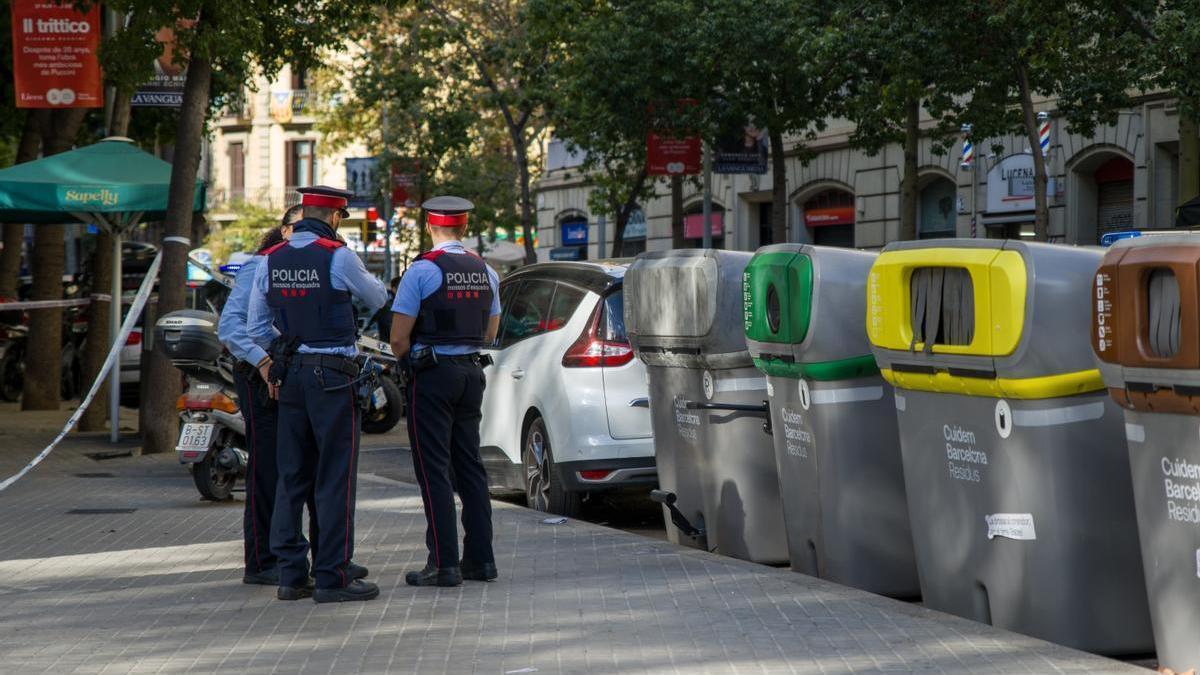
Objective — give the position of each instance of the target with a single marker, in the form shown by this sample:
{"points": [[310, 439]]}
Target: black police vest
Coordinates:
{"points": [[458, 312], [301, 293]]}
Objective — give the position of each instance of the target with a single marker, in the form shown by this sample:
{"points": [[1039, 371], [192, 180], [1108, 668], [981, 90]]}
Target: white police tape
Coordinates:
{"points": [[42, 304], [110, 361]]}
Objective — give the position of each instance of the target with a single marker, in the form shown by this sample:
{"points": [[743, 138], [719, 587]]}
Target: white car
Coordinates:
{"points": [[565, 409]]}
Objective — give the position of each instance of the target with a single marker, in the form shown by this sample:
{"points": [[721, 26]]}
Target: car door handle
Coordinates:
{"points": [[640, 403], [517, 373]]}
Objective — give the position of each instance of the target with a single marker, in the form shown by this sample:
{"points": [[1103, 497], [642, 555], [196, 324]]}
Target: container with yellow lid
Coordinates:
{"points": [[1017, 477]]}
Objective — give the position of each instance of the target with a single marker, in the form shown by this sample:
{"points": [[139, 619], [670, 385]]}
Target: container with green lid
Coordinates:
{"points": [[833, 417]]}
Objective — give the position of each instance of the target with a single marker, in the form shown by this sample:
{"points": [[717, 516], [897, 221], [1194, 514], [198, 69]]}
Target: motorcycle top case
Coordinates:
{"points": [[188, 335]]}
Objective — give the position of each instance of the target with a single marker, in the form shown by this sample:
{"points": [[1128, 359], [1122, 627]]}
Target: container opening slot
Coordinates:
{"points": [[942, 307], [1163, 301]]}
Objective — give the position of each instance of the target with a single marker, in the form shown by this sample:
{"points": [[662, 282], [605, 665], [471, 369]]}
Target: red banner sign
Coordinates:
{"points": [[829, 215], [668, 152], [55, 61], [693, 225], [666, 156], [405, 174]]}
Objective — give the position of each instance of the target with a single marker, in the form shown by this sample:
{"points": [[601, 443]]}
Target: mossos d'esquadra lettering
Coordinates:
{"points": [[961, 453]]}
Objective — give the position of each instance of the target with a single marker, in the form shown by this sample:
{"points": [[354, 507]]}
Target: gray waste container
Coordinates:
{"points": [[1018, 482], [834, 418], [1145, 330], [707, 402]]}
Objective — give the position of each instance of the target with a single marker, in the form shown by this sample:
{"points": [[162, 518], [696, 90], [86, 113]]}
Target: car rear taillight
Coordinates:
{"points": [[595, 474], [591, 351], [135, 338]]}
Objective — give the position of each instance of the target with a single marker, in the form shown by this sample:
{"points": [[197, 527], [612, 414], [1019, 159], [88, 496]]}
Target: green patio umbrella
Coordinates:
{"points": [[112, 183]]}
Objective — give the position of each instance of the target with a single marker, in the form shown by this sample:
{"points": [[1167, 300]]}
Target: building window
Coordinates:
{"points": [[301, 164], [829, 215], [937, 209], [299, 78], [237, 171], [634, 241]]}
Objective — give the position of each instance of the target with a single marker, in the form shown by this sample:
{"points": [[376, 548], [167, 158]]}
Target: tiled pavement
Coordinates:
{"points": [[157, 590]]}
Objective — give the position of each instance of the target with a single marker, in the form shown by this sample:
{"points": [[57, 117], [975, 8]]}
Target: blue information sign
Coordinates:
{"points": [[574, 232]]}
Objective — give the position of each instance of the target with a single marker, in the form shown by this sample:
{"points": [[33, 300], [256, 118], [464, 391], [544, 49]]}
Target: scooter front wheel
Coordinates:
{"points": [[214, 483]]}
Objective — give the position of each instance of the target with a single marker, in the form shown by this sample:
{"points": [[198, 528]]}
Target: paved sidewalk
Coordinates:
{"points": [[157, 589]]}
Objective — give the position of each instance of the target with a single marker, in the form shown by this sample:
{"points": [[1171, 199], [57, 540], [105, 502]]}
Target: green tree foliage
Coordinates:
{"points": [[618, 63], [243, 233], [416, 107]]}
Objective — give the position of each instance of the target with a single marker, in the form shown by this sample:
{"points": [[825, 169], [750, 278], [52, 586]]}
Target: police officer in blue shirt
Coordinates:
{"points": [[447, 308], [262, 417], [303, 288]]}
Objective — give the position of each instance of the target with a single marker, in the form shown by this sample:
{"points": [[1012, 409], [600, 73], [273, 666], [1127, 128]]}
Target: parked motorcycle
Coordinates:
{"points": [[212, 432], [387, 398]]}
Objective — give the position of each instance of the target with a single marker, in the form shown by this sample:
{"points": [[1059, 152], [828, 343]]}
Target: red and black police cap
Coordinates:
{"points": [[327, 197], [447, 211]]}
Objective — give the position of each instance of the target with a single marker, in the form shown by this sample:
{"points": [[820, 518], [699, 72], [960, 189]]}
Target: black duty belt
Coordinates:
{"points": [[340, 364], [246, 370], [474, 359]]}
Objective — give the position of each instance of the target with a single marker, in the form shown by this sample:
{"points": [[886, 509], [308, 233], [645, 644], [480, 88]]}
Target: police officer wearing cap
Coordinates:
{"points": [[447, 308], [301, 302]]}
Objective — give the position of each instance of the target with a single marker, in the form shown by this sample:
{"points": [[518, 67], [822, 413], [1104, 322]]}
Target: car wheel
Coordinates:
{"points": [[543, 489]]}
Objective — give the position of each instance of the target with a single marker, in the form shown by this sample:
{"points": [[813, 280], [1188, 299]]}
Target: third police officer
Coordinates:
{"points": [[301, 301], [446, 310]]}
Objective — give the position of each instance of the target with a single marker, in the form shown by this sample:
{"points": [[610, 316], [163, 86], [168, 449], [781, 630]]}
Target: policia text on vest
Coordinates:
{"points": [[446, 310]]}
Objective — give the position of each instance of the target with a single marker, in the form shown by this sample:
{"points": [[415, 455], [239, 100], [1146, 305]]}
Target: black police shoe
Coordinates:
{"points": [[474, 571], [357, 590], [295, 592], [262, 578], [356, 571], [435, 576]]}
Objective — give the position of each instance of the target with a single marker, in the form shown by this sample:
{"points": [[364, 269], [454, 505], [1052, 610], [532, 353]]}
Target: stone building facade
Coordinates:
{"points": [[1123, 176]]}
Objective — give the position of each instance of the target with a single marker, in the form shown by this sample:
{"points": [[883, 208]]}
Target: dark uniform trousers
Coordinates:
{"points": [[443, 424], [262, 420], [318, 455]]}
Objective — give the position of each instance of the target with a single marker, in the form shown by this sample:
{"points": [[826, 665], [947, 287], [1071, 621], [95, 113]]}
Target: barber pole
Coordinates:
{"points": [[968, 149], [1044, 133]]}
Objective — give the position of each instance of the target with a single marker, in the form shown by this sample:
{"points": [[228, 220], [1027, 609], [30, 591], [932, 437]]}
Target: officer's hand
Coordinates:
{"points": [[264, 369]]}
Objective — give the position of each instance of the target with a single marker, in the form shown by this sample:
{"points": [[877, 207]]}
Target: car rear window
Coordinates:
{"points": [[614, 313], [527, 313], [566, 300]]}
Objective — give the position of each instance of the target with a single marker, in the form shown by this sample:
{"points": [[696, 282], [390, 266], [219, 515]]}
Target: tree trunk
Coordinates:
{"points": [[779, 228], [43, 363], [521, 150], [1189, 158], [96, 348], [1041, 212], [623, 212], [156, 418], [677, 238], [14, 233], [43, 355], [908, 182]]}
